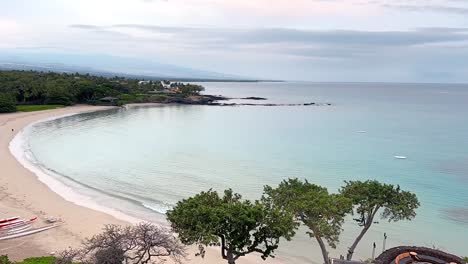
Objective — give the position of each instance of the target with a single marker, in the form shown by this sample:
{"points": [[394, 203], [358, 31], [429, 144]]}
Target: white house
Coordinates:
{"points": [[143, 82], [165, 85]]}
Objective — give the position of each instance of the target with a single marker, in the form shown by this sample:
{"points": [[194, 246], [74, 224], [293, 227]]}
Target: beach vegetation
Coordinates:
{"points": [[371, 197], [139, 244], [33, 108], [5, 260], [7, 103], [321, 212], [42, 88], [239, 227], [189, 89], [37, 260]]}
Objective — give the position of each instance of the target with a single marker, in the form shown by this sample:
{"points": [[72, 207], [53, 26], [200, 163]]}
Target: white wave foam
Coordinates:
{"points": [[19, 148], [158, 208]]}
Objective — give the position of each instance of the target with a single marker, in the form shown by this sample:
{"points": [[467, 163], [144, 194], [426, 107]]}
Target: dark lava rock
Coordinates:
{"points": [[254, 98]]}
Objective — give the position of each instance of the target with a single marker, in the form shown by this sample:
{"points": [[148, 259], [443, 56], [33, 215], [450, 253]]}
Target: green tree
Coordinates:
{"points": [[85, 90], [57, 92], [240, 226], [190, 89], [7, 103], [313, 206], [370, 196]]}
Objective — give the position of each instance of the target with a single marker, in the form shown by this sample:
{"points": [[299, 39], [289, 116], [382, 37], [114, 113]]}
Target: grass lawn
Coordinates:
{"points": [[41, 260], [32, 108]]}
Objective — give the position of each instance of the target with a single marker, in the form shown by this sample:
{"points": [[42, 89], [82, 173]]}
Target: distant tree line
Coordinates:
{"points": [[38, 88]]}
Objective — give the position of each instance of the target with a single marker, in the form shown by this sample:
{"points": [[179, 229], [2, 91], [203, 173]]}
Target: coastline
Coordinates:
{"points": [[23, 194], [26, 193]]}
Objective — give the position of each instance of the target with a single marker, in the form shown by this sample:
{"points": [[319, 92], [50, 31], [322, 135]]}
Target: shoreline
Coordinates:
{"points": [[18, 149], [23, 194], [26, 190]]}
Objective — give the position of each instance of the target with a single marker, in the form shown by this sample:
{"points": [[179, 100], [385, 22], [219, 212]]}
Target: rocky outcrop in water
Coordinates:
{"points": [[253, 98], [218, 100], [247, 104]]}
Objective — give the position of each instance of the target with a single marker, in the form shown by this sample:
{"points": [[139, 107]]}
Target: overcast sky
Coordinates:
{"points": [[317, 40]]}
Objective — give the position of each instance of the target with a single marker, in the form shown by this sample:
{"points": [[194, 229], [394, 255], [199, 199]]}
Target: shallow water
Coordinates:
{"points": [[142, 160]]}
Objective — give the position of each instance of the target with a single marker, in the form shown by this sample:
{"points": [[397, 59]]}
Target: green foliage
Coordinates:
{"points": [[157, 98], [242, 226], [321, 212], [4, 260], [370, 196], [40, 260], [465, 259], [29, 87], [189, 89], [7, 103], [32, 108], [141, 98]]}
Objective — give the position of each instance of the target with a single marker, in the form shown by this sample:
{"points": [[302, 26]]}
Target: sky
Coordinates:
{"points": [[310, 40]]}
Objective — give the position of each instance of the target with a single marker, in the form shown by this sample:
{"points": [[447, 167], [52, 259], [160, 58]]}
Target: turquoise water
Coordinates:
{"points": [[142, 160]]}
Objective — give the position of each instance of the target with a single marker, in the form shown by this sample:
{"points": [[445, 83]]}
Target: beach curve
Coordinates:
{"points": [[25, 190]]}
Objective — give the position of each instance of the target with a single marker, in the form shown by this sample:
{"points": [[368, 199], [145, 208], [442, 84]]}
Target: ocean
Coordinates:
{"points": [[141, 160]]}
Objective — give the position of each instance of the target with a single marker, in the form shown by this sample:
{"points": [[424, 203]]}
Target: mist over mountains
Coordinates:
{"points": [[105, 65]]}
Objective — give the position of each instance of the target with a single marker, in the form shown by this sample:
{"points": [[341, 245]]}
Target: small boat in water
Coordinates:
{"points": [[400, 157]]}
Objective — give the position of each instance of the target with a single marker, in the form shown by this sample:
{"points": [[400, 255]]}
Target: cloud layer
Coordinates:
{"points": [[341, 40]]}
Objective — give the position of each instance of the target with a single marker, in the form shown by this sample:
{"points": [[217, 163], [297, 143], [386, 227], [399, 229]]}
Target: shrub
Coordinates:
{"points": [[4, 260], [132, 244]]}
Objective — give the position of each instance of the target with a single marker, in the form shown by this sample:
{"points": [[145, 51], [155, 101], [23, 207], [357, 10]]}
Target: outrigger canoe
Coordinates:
{"points": [[9, 219], [30, 232], [16, 223], [15, 230]]}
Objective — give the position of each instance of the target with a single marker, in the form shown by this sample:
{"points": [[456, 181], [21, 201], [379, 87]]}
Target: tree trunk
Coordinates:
{"points": [[223, 247], [368, 223], [349, 256], [230, 257], [324, 249]]}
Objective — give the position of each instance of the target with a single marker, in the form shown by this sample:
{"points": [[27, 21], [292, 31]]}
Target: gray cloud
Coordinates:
{"points": [[81, 26], [430, 8], [429, 54], [343, 38]]}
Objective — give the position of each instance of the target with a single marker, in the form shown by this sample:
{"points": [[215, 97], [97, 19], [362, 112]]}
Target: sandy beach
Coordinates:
{"points": [[22, 194]]}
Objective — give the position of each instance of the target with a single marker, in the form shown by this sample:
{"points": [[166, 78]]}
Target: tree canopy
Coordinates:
{"points": [[7, 103], [321, 212], [370, 196], [37, 88], [189, 89], [239, 226]]}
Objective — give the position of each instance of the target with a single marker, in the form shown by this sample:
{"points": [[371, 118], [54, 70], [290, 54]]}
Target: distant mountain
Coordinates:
{"points": [[108, 66]]}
